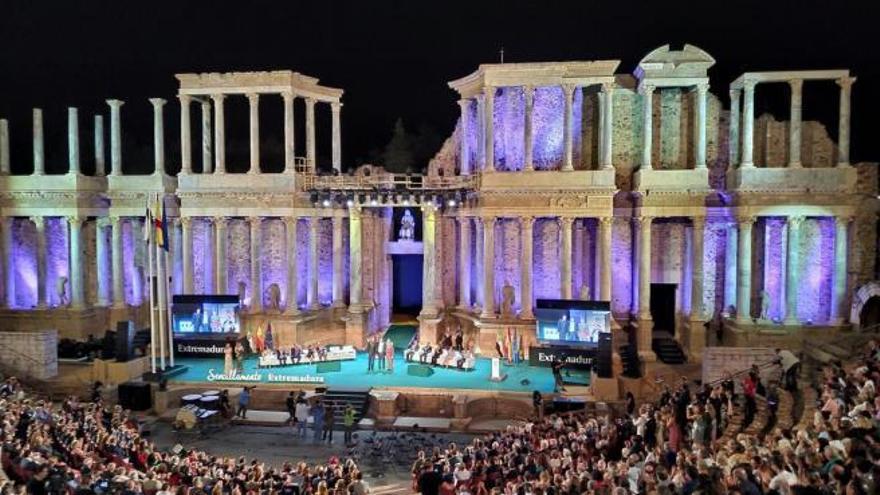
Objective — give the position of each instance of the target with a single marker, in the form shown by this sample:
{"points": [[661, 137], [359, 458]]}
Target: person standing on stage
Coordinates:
{"points": [[348, 421], [244, 398], [317, 421], [290, 405], [556, 366], [389, 355], [301, 414], [380, 353], [329, 422], [371, 354]]}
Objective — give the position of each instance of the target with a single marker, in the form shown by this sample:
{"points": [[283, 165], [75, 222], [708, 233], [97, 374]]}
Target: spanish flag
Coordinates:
{"points": [[161, 222]]}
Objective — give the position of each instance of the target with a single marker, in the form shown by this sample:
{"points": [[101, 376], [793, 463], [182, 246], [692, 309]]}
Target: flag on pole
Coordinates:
{"points": [[148, 222], [161, 224], [270, 344]]}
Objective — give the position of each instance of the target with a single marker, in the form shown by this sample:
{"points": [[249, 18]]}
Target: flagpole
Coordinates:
{"points": [[170, 333], [160, 276], [149, 236]]}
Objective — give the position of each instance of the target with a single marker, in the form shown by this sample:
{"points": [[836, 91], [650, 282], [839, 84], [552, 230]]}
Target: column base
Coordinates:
{"points": [[838, 321], [488, 315], [795, 165], [743, 320], [338, 304], [747, 165], [314, 306], [466, 308], [526, 315], [647, 357], [791, 322]]}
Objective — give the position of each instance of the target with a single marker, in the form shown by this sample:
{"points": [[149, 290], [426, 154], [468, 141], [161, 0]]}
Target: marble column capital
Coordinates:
{"points": [[527, 221], [568, 90], [115, 104], [464, 103], [566, 221], [288, 95], [749, 86], [185, 222], [487, 220], [698, 221], [529, 90], [606, 221], [845, 83], [843, 220], [702, 87], [38, 221], [643, 220], [219, 221], [336, 106], [734, 94], [184, 99], [608, 87], [310, 102], [646, 89], [255, 220], [218, 98], [158, 102], [253, 98], [745, 220], [75, 220], [795, 221], [288, 221], [796, 86]]}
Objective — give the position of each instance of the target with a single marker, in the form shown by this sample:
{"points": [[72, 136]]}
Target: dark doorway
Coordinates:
{"points": [[407, 283], [870, 315], [663, 307]]}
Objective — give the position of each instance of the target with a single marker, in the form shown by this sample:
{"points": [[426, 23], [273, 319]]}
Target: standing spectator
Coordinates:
{"points": [[317, 421], [244, 399], [538, 404], [329, 422], [96, 391], [790, 367], [750, 388], [290, 405], [630, 403], [301, 413], [348, 418]]}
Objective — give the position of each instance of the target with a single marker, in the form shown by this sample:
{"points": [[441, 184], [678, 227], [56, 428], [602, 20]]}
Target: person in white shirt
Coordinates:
{"points": [[301, 414], [790, 366]]}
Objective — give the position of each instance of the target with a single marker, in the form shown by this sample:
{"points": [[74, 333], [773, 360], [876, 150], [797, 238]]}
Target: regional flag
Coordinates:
{"points": [[148, 222], [161, 223]]}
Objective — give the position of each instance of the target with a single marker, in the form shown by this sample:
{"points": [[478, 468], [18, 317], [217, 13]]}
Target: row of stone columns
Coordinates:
{"points": [[219, 129], [746, 146], [486, 139], [647, 91], [485, 230]]}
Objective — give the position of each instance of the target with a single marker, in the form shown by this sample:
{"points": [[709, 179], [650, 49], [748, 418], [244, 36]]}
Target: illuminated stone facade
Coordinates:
{"points": [[560, 180]]}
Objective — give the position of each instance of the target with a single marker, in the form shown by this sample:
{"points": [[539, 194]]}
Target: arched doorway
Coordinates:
{"points": [[869, 316], [865, 312]]}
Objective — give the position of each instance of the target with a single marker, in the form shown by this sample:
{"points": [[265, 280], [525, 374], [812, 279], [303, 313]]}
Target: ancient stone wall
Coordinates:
{"points": [[30, 354]]}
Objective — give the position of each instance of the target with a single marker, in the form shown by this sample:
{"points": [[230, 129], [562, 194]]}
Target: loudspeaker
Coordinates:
{"points": [[124, 340], [329, 366], [135, 396], [604, 367], [419, 370]]}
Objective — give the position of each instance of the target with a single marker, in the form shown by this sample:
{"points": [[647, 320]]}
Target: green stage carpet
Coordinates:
{"points": [[401, 335]]}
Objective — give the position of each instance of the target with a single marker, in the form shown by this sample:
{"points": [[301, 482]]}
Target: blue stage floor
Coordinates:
{"points": [[354, 374]]}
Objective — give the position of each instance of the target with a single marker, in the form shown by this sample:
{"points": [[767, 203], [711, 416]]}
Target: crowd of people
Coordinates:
{"points": [[683, 444], [87, 448]]}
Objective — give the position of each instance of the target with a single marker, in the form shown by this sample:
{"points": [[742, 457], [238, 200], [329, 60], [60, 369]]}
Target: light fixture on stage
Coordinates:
{"points": [[349, 202], [374, 200], [325, 203]]}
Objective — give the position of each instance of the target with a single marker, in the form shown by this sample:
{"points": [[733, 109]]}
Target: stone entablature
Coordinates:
{"points": [[275, 82]]}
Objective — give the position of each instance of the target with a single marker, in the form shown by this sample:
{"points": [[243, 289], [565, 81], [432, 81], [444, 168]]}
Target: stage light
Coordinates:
{"points": [[349, 203], [451, 202], [373, 200], [325, 203], [406, 202]]}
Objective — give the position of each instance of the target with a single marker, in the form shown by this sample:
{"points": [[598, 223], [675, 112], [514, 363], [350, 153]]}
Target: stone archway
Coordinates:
{"points": [[866, 297]]}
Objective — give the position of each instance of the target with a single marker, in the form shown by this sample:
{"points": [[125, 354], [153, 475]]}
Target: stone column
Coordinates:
{"points": [[565, 224], [254, 135], [186, 254], [158, 136], [794, 125], [489, 126], [39, 157], [748, 132], [116, 267], [568, 94], [6, 262], [219, 134], [700, 154], [699, 232], [527, 240], [115, 137], [529, 135], [101, 262], [291, 304], [604, 262], [256, 265], [207, 151], [338, 298], [488, 267], [843, 124], [429, 268], [648, 124], [607, 159], [72, 140], [730, 265], [744, 270], [793, 269], [733, 147], [464, 162], [355, 260], [185, 136], [4, 147], [478, 262], [603, 126], [336, 136], [310, 134], [289, 144], [100, 162], [841, 258], [40, 226], [77, 294], [464, 263], [220, 285], [644, 314], [312, 292]]}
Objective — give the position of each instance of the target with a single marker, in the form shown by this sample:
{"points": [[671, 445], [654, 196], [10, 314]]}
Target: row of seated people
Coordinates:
{"points": [[448, 357], [305, 355]]}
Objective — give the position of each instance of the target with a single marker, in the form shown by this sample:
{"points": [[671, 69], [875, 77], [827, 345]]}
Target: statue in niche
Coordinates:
{"points": [[61, 290], [584, 293], [765, 305], [407, 227], [273, 295], [242, 292], [508, 297]]}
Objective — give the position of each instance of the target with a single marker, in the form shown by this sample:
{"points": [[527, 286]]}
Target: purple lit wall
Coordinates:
{"points": [[622, 301], [302, 260], [546, 280], [238, 258], [817, 269], [507, 258], [134, 262], [713, 267], [346, 265], [325, 261], [509, 121], [273, 258], [203, 256], [24, 259], [774, 265], [547, 122], [56, 257], [476, 279]]}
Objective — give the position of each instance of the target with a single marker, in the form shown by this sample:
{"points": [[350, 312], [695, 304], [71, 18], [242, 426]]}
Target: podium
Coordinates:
{"points": [[497, 375]]}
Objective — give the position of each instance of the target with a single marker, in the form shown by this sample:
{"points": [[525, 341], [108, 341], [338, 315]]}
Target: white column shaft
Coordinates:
{"points": [[39, 157], [355, 260], [77, 296], [489, 126], [101, 263], [841, 257], [604, 262], [645, 268], [256, 265], [429, 269], [336, 136], [699, 232], [311, 159], [158, 136], [4, 147], [794, 126], [289, 144], [207, 148], [312, 293], [116, 262], [478, 262], [338, 298], [648, 125], [292, 303], [748, 132], [567, 134], [73, 140], [220, 285], [607, 133], [6, 242], [565, 224], [527, 240], [730, 267], [185, 135], [464, 263], [843, 123], [700, 154], [100, 161], [744, 270], [115, 137], [733, 140], [219, 134], [187, 254], [254, 122], [40, 225], [488, 267], [792, 270]]}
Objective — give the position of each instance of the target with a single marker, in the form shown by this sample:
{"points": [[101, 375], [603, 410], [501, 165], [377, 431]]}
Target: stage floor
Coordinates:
{"points": [[354, 373]]}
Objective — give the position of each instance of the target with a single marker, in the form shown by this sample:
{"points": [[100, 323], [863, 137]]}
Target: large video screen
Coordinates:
{"points": [[571, 322], [205, 316]]}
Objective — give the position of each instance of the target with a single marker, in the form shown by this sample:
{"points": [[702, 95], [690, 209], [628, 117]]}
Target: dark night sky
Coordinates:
{"points": [[393, 58]]}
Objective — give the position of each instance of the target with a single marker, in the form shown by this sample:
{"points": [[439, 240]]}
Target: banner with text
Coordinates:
{"points": [[573, 357]]}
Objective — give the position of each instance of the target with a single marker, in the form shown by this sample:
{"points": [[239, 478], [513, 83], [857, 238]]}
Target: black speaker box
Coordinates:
{"points": [[604, 365], [124, 340], [135, 396]]}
